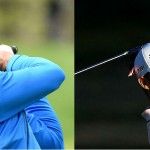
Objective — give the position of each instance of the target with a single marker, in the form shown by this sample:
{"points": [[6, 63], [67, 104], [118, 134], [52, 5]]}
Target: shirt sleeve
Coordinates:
{"points": [[21, 88]]}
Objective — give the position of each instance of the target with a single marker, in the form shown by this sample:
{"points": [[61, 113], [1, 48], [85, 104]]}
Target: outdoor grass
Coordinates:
{"points": [[62, 100]]}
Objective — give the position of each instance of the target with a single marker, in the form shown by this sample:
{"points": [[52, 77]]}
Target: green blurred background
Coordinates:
{"points": [[45, 28]]}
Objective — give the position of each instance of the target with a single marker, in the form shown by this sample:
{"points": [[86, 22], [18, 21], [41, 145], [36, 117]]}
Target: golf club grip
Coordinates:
{"points": [[134, 50]]}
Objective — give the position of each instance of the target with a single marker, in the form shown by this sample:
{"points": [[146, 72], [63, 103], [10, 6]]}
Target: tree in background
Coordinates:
{"points": [[34, 20]]}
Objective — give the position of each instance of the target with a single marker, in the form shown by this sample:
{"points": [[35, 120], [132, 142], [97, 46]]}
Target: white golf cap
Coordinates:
{"points": [[142, 62], [6, 48]]}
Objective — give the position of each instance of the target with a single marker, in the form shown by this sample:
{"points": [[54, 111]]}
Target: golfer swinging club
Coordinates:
{"points": [[142, 70], [27, 120]]}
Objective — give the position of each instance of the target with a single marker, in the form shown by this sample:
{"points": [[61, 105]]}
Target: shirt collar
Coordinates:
{"points": [[11, 62]]}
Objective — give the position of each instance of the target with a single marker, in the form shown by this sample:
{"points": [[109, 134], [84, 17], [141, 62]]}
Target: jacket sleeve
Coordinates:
{"points": [[21, 88], [41, 116]]}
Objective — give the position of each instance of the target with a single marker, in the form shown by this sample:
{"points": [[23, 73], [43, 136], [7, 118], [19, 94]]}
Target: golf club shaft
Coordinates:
{"points": [[136, 49], [100, 63]]}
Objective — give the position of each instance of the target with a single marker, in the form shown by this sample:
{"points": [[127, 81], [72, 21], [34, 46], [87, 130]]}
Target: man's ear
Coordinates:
{"points": [[144, 83]]}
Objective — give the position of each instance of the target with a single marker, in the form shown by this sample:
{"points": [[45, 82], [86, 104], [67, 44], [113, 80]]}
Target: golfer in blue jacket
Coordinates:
{"points": [[27, 120]]}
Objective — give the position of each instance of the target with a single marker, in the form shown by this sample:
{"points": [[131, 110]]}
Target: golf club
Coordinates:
{"points": [[136, 49]]}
